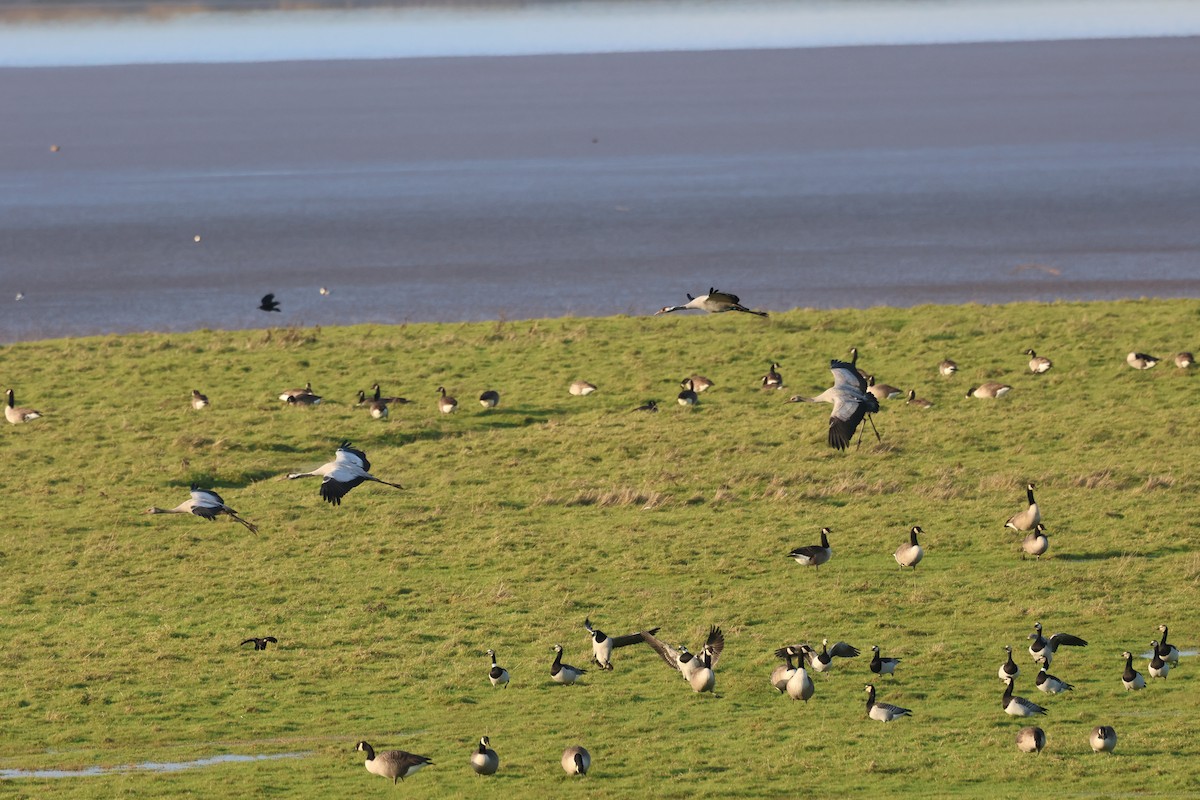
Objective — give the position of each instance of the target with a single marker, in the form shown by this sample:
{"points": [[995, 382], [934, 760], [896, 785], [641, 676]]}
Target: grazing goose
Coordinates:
{"points": [[1103, 739], [814, 555], [489, 399], [576, 760], [800, 685], [260, 643], [884, 712], [850, 400], [823, 661], [1009, 668], [1169, 652], [564, 673], [290, 393], [348, 469], [1031, 739], [947, 368], [445, 404], [603, 644], [909, 555], [782, 673], [700, 383], [1131, 679], [394, 764], [1018, 706], [1028, 519], [650, 405], [687, 663], [1158, 668], [714, 302], [1038, 364], [396, 401], [1184, 360], [206, 504], [15, 414], [1043, 649], [1050, 684], [498, 675], [581, 388], [772, 380], [883, 666], [484, 760], [882, 391], [1140, 361], [304, 400], [688, 396], [268, 303], [199, 401], [917, 402], [1036, 543], [989, 390]]}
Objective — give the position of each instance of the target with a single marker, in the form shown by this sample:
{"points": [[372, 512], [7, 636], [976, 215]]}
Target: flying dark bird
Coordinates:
{"points": [[206, 504], [714, 302], [269, 303], [348, 469], [260, 643], [851, 402]]}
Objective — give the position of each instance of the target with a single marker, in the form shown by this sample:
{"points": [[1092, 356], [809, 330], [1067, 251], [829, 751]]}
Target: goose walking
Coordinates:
{"points": [[909, 555], [581, 388], [498, 675], [884, 712], [1031, 739], [206, 504], [484, 760], [603, 644], [268, 303], [1184, 360], [689, 664], [989, 390], [199, 401], [947, 368], [348, 469], [916, 402], [16, 414], [1131, 679], [1158, 668], [1018, 706], [772, 380], [394, 764], [782, 673], [1169, 652], [260, 642], [564, 673], [688, 396], [1037, 543], [714, 302], [1043, 648], [1038, 364], [1103, 739], [882, 391], [446, 404], [1141, 360], [883, 666], [1009, 668], [1028, 519], [576, 760], [814, 555], [1050, 684], [489, 399], [850, 400]]}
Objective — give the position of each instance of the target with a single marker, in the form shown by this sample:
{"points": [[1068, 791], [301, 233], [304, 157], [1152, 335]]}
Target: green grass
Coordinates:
{"points": [[120, 630]]}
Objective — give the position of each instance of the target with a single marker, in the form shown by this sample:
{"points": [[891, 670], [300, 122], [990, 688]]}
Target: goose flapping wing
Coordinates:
{"points": [[1058, 639], [669, 654]]}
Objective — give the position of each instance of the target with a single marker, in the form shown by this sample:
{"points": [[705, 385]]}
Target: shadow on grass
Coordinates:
{"points": [[1108, 554], [208, 480]]}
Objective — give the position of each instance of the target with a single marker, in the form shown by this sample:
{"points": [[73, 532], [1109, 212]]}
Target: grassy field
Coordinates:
{"points": [[121, 630]]}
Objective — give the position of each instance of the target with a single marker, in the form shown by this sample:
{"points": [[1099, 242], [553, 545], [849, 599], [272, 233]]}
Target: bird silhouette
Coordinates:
{"points": [[260, 643], [269, 303]]}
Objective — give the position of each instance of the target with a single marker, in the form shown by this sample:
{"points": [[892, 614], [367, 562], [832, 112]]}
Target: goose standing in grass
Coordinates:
{"points": [[814, 555], [649, 405], [1018, 706], [1131, 679], [1158, 668], [206, 504], [484, 760], [199, 401], [1050, 684], [1140, 360], [603, 644], [917, 402], [800, 685], [1036, 543], [782, 673], [700, 383], [581, 388], [348, 469], [377, 408], [688, 396], [882, 391], [910, 554], [290, 393], [1031, 739], [1009, 668], [1028, 519], [260, 642], [883, 666], [947, 368], [576, 760], [772, 380], [688, 663], [714, 302], [16, 414], [884, 712], [498, 675], [1038, 364], [1103, 739], [1043, 649], [564, 673], [1169, 652], [268, 303], [489, 399], [394, 764], [991, 389], [446, 404], [850, 400], [1184, 360]]}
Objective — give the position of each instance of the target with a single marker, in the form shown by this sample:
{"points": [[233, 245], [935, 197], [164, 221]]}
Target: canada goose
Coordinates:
{"points": [[687, 663], [576, 760], [268, 303], [854, 363], [883, 666], [489, 399], [1031, 739], [1140, 360], [703, 679], [782, 673], [1169, 652], [714, 302], [800, 685], [581, 388], [564, 673], [260, 643], [1103, 739], [882, 391], [15, 414], [688, 396], [1038, 364], [1184, 360], [823, 661], [394, 764], [304, 400], [850, 400], [1158, 668], [1131, 679], [989, 389], [199, 401], [206, 504], [700, 383], [396, 401], [1036, 543], [884, 712], [377, 407], [1043, 649], [1018, 706], [814, 555], [1050, 684], [445, 404], [917, 402], [498, 675], [947, 368], [1009, 668], [348, 469], [909, 555], [1028, 519], [650, 405], [484, 760], [772, 380], [296, 392], [603, 644]]}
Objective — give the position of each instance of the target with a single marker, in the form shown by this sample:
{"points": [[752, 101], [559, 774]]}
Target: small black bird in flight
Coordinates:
{"points": [[269, 303], [261, 644]]}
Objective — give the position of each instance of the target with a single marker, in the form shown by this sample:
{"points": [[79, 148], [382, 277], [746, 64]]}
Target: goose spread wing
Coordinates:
{"points": [[715, 643], [669, 654], [844, 650], [633, 638], [1059, 639]]}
